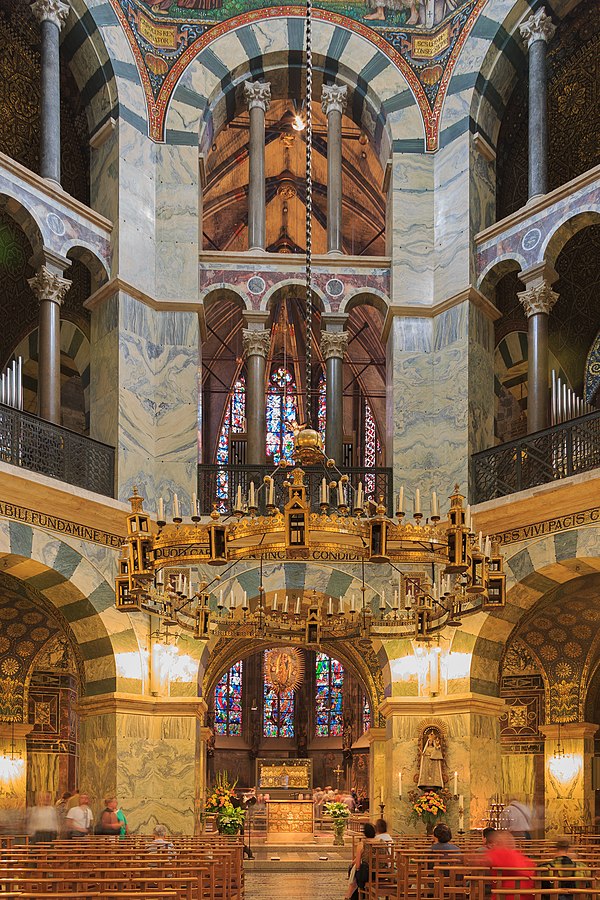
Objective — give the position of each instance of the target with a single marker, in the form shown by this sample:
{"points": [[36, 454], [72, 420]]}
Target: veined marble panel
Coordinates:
{"points": [[410, 225], [451, 217]]}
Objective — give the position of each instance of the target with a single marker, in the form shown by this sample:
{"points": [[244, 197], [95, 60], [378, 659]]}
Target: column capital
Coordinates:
{"points": [[258, 94], [333, 98], [256, 343], [51, 10], [334, 344], [537, 27], [47, 285], [538, 300]]}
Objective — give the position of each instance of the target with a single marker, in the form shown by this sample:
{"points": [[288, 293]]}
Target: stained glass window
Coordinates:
{"points": [[234, 422], [228, 701], [322, 410], [282, 410], [372, 448], [329, 683], [278, 711], [366, 714]]}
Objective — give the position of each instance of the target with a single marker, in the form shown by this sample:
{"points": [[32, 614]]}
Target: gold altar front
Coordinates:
{"points": [[294, 817]]}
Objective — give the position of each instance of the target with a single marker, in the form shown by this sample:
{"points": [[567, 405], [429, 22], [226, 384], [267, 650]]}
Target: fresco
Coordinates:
{"points": [[421, 37]]}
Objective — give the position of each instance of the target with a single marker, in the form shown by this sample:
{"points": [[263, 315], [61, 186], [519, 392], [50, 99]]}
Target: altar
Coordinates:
{"points": [[290, 817]]}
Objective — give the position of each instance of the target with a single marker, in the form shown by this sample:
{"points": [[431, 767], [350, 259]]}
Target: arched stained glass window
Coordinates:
{"points": [[329, 683], [278, 710], [282, 410], [234, 422], [372, 448], [322, 409], [366, 714], [228, 701]]}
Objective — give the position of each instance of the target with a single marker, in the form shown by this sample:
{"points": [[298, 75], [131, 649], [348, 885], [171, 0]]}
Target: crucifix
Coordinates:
{"points": [[338, 772]]}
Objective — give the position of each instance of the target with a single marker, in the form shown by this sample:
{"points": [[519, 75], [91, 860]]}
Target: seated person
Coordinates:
{"points": [[381, 832], [160, 844], [443, 837]]}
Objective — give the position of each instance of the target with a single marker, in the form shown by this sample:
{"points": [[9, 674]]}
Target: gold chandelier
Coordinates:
{"points": [[439, 571]]}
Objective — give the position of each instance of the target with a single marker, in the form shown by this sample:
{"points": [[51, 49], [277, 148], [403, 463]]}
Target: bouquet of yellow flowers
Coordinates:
{"points": [[428, 808], [221, 795]]}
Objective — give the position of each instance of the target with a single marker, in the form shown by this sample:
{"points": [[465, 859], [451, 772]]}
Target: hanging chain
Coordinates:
{"points": [[309, 186]]}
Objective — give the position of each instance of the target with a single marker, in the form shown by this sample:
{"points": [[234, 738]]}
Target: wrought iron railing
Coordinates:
{"points": [[557, 452], [219, 484], [48, 449]]}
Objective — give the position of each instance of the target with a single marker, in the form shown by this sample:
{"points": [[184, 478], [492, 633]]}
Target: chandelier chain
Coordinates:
{"points": [[309, 186]]}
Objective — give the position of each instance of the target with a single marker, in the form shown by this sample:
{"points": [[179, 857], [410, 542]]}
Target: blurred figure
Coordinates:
{"points": [[122, 822], [504, 855], [565, 867], [61, 808], [443, 836], [160, 843], [381, 832], [358, 875], [79, 820], [109, 823], [43, 822], [517, 818], [73, 800]]}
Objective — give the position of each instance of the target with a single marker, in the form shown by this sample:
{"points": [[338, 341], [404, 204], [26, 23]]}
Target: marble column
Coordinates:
{"points": [[52, 14], [256, 348], [149, 752], [378, 784], [258, 95], [50, 289], [537, 31], [537, 301], [333, 346], [568, 752], [332, 103]]}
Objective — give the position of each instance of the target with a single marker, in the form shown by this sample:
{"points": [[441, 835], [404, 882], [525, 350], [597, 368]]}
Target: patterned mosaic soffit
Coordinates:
{"points": [[166, 35]]}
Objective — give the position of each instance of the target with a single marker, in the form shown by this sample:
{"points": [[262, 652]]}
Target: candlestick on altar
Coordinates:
{"points": [[455, 791]]}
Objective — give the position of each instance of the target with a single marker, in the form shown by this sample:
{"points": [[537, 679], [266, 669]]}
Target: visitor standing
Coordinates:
{"points": [[109, 823], [517, 818], [43, 821], [78, 823]]}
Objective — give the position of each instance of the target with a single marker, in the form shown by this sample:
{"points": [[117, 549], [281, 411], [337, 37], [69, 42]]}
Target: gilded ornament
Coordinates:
{"points": [[284, 669]]}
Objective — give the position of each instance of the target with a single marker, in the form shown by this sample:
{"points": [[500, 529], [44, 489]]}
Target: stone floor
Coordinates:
{"points": [[295, 886]]}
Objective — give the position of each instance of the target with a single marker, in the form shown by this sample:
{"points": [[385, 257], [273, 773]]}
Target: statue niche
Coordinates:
{"points": [[431, 763]]}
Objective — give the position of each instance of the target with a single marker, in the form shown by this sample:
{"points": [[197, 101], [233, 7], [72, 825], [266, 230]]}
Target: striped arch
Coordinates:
{"points": [[484, 78], [80, 592], [209, 92], [74, 345], [532, 572]]}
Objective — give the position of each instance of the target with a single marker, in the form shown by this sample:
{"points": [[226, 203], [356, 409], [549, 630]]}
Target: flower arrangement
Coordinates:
{"points": [[230, 819], [428, 808], [222, 794], [337, 810]]}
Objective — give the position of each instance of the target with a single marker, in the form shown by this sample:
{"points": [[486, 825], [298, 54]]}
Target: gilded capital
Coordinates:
{"points": [[334, 344], [333, 98], [258, 93], [256, 343], [537, 27], [538, 299], [47, 285], [51, 10]]}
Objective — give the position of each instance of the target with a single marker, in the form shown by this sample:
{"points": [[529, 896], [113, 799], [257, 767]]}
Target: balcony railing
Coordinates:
{"points": [[219, 484], [48, 449], [566, 449]]}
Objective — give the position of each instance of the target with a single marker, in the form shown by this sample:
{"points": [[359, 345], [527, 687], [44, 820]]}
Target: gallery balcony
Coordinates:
{"points": [[219, 484], [39, 446], [568, 449]]}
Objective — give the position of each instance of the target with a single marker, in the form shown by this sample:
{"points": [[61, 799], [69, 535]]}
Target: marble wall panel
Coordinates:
{"points": [[177, 222], [98, 774], [409, 229], [451, 216]]}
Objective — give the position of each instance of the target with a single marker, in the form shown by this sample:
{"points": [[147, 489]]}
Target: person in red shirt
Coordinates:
{"points": [[510, 868]]}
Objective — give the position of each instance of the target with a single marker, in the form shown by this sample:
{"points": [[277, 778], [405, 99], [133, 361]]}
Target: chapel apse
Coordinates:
{"points": [[422, 38]]}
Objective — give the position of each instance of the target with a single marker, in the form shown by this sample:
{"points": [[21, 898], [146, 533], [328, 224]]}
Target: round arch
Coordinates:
{"points": [[280, 62], [359, 297], [25, 218], [532, 572], [78, 589], [566, 229], [271, 296]]}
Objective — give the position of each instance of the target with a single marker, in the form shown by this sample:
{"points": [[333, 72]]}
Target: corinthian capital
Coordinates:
{"points": [[538, 299], [47, 285], [51, 10], [258, 93], [537, 27], [256, 343], [334, 344], [333, 98]]}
